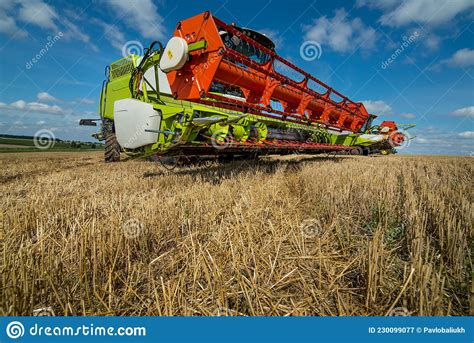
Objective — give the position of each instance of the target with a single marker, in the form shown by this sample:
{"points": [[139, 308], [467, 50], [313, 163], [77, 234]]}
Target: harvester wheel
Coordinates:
{"points": [[112, 148], [357, 150]]}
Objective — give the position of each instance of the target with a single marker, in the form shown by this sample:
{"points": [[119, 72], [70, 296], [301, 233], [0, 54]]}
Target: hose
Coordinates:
{"points": [[138, 72]]}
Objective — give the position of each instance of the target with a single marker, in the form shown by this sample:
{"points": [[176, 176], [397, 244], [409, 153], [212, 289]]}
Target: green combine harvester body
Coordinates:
{"points": [[142, 113]]}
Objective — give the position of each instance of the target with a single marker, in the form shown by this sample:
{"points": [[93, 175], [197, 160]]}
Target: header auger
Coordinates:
{"points": [[215, 90]]}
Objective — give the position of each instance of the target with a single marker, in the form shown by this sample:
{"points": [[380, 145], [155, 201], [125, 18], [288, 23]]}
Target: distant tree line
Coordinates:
{"points": [[73, 144]]}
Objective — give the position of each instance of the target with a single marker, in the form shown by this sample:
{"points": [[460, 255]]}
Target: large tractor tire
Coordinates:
{"points": [[112, 148], [357, 151]]}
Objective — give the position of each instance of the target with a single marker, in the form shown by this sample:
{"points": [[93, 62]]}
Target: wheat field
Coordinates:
{"points": [[294, 235]]}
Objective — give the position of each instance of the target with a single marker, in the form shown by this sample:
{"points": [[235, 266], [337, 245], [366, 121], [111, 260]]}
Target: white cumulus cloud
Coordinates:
{"points": [[397, 13], [18, 105], [112, 33], [41, 15], [46, 97], [44, 108], [86, 101], [8, 26], [39, 107], [466, 134], [38, 13], [464, 112], [140, 15], [377, 106], [461, 58], [340, 33]]}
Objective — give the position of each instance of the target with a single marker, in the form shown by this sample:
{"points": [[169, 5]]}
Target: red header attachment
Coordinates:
{"points": [[243, 60]]}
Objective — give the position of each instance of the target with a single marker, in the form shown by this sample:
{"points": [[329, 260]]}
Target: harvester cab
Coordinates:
{"points": [[214, 90]]}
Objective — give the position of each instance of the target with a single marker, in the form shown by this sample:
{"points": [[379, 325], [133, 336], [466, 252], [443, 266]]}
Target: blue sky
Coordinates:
{"points": [[411, 61]]}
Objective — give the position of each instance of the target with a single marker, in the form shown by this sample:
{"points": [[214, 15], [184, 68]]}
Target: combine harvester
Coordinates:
{"points": [[215, 90]]}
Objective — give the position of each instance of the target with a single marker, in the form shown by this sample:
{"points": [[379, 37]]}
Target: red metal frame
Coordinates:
{"points": [[251, 145], [260, 83]]}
